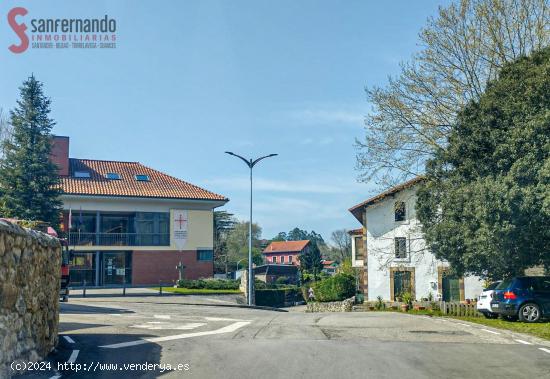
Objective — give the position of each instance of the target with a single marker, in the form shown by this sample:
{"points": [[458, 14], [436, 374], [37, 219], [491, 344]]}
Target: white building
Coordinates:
{"points": [[396, 259]]}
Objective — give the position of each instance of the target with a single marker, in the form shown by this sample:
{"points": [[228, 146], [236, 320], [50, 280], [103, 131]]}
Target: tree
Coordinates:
{"points": [[237, 244], [224, 223], [342, 244], [485, 204], [463, 48], [310, 261], [5, 131], [29, 182], [298, 234]]}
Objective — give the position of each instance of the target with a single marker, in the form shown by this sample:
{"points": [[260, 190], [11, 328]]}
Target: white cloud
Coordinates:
{"points": [[303, 185], [328, 116]]}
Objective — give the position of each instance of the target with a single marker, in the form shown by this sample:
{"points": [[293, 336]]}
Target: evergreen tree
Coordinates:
{"points": [[29, 182], [485, 205], [310, 261]]}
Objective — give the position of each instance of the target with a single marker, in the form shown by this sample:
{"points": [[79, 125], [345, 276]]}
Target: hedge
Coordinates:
{"points": [[336, 288], [277, 297], [211, 284]]}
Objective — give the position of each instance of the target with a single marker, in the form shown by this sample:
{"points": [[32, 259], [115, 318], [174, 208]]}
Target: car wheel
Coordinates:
{"points": [[490, 315], [529, 312]]}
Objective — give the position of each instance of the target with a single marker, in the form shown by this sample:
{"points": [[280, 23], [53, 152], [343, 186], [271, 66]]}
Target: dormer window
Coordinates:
{"points": [[400, 211], [81, 174], [142, 178], [112, 176]]}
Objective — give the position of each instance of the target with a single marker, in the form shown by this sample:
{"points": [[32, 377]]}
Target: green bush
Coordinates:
{"points": [[210, 284], [277, 297], [336, 288]]}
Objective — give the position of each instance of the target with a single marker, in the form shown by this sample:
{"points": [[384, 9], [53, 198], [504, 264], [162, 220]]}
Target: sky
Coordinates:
{"points": [[189, 80]]}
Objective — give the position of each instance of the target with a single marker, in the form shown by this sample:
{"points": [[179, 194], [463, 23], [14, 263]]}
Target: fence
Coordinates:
{"points": [[459, 309]]}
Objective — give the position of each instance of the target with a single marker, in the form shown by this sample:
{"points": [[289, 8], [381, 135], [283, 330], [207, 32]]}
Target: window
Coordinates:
{"points": [[400, 247], [290, 259], [142, 178], [274, 259], [359, 248], [205, 255], [400, 213], [283, 259], [81, 174], [112, 176]]}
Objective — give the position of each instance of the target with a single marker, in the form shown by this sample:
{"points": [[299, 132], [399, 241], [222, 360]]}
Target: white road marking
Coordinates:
{"points": [[68, 339], [523, 342], [490, 331], [222, 319], [167, 326], [226, 329], [164, 317], [217, 300], [460, 323], [545, 350], [74, 355], [55, 377]]}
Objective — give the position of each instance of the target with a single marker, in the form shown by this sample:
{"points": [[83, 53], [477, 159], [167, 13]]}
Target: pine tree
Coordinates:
{"points": [[29, 182]]}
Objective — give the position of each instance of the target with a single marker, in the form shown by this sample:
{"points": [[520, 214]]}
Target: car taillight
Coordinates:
{"points": [[64, 270], [509, 295]]}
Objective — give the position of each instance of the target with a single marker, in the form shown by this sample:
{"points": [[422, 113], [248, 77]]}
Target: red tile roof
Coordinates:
{"points": [[286, 246], [160, 185], [357, 209]]}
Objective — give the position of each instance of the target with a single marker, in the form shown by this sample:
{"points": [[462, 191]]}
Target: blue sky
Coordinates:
{"points": [[192, 79]]}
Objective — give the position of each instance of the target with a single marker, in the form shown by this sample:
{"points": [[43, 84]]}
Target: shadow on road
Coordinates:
{"points": [[142, 361], [67, 308]]}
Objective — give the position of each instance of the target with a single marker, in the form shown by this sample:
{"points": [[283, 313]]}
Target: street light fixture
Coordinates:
{"points": [[250, 163]]}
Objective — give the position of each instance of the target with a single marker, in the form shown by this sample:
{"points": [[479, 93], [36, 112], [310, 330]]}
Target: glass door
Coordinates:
{"points": [[116, 268]]}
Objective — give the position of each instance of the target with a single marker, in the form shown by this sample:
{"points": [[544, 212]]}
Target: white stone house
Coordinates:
{"points": [[393, 253]]}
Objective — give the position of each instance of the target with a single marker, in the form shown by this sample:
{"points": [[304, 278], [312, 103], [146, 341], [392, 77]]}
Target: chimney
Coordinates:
{"points": [[60, 154]]}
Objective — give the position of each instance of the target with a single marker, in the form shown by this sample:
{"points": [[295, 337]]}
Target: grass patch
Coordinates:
{"points": [[197, 291], [539, 329]]}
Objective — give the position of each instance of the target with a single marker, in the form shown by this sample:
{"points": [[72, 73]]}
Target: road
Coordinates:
{"points": [[212, 340]]}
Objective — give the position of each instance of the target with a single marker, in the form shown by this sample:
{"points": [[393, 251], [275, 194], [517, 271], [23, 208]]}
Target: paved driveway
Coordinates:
{"points": [[103, 337]]}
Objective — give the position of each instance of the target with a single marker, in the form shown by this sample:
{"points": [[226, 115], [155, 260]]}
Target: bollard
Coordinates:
{"points": [[160, 288], [84, 289], [124, 289]]}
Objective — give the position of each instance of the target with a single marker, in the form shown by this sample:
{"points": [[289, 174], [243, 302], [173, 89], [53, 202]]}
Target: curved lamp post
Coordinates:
{"points": [[250, 163]]}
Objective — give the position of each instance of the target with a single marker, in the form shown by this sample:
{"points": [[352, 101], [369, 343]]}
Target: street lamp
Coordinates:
{"points": [[250, 163]]}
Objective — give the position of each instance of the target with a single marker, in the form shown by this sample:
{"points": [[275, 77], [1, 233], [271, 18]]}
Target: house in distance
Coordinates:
{"points": [[285, 252]]}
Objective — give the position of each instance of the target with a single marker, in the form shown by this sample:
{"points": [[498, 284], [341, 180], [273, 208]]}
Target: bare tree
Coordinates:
{"points": [[5, 131], [342, 243], [463, 48]]}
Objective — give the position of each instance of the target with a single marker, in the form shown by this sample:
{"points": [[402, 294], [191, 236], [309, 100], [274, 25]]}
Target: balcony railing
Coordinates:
{"points": [[119, 239]]}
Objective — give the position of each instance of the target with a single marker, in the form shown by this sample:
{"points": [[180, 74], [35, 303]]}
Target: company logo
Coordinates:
{"points": [[19, 29], [55, 33]]}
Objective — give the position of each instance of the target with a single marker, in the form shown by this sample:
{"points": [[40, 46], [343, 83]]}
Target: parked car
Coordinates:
{"points": [[483, 304], [523, 297]]}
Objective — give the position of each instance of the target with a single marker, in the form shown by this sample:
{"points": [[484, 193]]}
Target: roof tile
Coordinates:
{"points": [[160, 185]]}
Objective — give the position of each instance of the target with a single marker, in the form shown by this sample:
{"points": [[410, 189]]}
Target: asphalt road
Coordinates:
{"points": [[103, 337]]}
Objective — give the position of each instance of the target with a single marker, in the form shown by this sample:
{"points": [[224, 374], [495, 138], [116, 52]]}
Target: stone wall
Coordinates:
{"points": [[331, 306], [30, 264]]}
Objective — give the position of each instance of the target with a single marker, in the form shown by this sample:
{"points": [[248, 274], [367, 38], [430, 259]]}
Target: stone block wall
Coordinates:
{"points": [[30, 264], [331, 306]]}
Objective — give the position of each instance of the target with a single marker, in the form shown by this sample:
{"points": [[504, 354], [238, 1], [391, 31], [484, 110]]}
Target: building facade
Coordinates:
{"points": [[128, 224], [393, 253], [285, 252]]}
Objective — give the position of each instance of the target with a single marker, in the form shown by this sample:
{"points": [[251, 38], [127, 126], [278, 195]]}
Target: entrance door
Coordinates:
{"points": [[401, 283], [115, 268], [451, 288]]}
